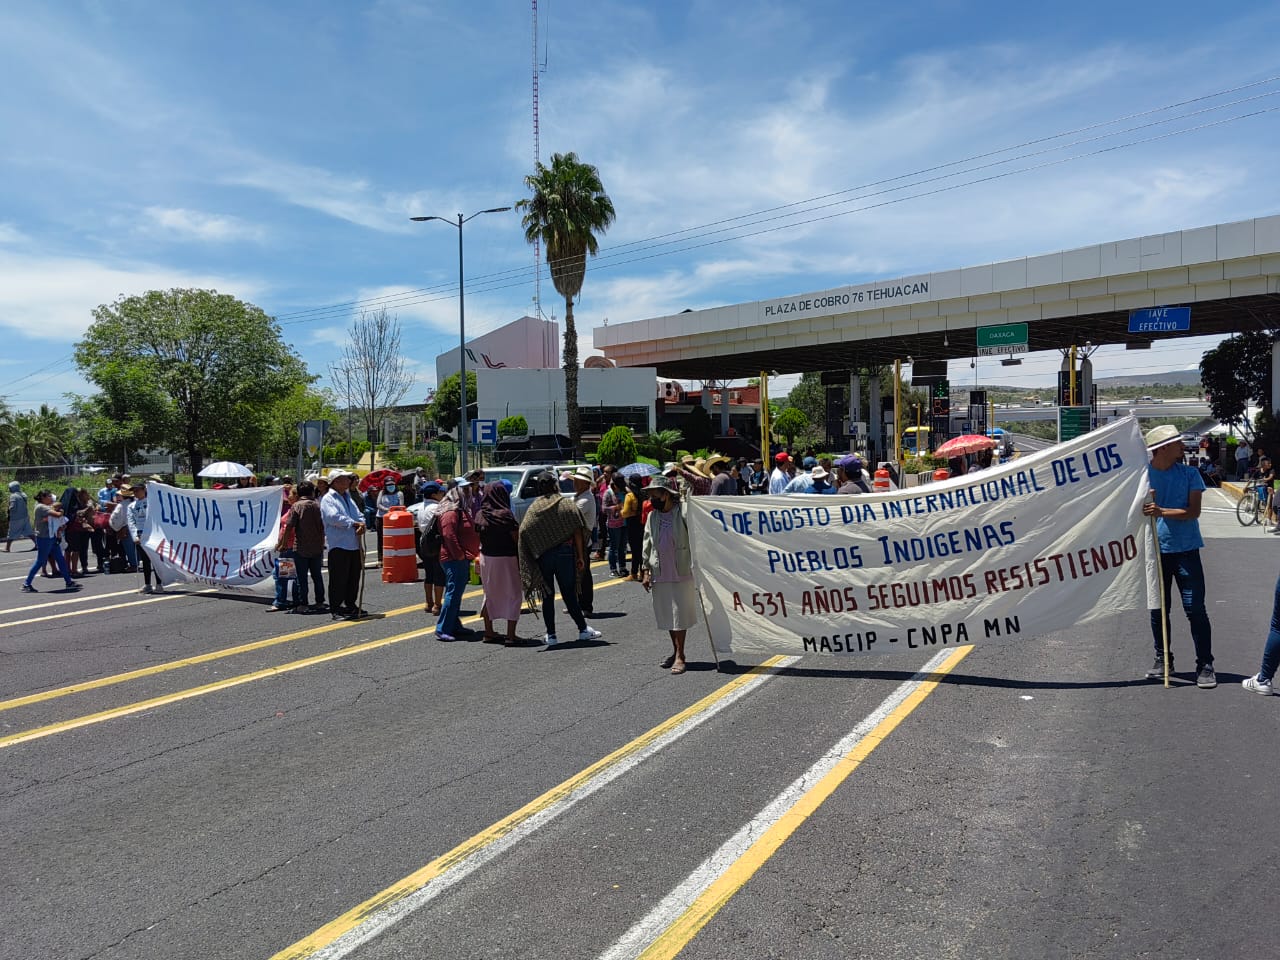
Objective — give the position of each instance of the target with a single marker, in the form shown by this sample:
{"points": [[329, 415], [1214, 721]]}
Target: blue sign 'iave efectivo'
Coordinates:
{"points": [[1159, 319]]}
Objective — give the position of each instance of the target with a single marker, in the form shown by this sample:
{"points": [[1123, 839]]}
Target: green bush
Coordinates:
{"points": [[414, 461], [618, 447], [516, 426]]}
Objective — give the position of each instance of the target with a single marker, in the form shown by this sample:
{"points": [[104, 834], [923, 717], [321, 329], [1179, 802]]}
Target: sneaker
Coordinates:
{"points": [[591, 633], [145, 589], [274, 609], [28, 588], [550, 640], [1205, 678], [1157, 669], [73, 587], [1257, 685], [158, 588]]}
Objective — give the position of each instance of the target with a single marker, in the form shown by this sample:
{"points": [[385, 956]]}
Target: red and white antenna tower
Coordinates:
{"points": [[537, 158]]}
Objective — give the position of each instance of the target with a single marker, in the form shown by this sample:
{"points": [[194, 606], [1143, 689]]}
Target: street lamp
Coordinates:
{"points": [[462, 330]]}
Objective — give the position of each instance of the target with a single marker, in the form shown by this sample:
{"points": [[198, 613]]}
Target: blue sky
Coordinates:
{"points": [[275, 151]]}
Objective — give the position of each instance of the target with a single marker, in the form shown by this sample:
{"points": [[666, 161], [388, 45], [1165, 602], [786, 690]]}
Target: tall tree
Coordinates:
{"points": [[373, 368], [1237, 372], [38, 438], [567, 210], [445, 406], [128, 414], [790, 423], [219, 362]]}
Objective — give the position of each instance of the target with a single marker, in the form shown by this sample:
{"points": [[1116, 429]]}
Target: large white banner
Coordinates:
{"points": [[222, 538], [1048, 542]]}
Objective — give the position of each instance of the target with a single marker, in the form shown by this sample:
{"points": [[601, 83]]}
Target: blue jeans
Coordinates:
{"points": [[47, 547], [455, 583], [1186, 569], [315, 567], [559, 566], [1271, 652], [130, 550], [617, 547], [282, 585]]}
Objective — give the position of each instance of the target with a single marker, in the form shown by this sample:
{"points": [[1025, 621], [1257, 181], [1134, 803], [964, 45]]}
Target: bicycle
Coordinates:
{"points": [[1253, 504]]}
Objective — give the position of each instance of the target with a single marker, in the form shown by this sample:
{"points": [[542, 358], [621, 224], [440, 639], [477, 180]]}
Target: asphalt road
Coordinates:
{"points": [[1041, 800]]}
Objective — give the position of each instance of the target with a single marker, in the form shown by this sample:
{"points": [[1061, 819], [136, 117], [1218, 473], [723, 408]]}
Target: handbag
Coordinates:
{"points": [[286, 568]]}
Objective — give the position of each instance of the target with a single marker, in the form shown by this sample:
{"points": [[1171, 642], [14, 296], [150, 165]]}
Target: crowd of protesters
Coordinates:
{"points": [[635, 522]]}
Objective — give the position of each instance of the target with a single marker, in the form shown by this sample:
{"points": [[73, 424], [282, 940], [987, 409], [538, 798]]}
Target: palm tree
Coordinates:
{"points": [[665, 440], [567, 210]]}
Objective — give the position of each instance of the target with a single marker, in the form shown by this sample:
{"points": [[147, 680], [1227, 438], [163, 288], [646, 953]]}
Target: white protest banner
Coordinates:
{"points": [[222, 538], [1047, 542]]}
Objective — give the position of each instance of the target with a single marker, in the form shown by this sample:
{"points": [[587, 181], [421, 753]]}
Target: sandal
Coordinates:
{"points": [[678, 667], [511, 641], [493, 638], [666, 664]]}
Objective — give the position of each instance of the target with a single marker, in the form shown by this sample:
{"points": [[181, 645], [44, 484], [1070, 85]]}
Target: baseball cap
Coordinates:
{"points": [[430, 487], [810, 462], [781, 458]]}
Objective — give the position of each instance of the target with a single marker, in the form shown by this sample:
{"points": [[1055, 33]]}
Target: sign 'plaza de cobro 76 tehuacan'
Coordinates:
{"points": [[1051, 541]]}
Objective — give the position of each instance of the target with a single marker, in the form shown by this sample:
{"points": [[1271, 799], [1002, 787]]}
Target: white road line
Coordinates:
{"points": [[114, 606], [636, 940], [388, 917], [83, 598]]}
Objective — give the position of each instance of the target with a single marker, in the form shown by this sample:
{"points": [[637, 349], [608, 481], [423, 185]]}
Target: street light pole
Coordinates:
{"points": [[462, 330]]}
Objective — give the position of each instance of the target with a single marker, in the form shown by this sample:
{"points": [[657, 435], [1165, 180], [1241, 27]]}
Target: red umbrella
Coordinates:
{"points": [[966, 443], [376, 479]]}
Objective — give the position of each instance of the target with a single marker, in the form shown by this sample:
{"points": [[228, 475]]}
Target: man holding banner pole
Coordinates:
{"points": [[1178, 490], [344, 530]]}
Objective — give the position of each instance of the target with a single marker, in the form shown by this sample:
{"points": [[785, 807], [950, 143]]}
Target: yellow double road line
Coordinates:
{"points": [[37, 733]]}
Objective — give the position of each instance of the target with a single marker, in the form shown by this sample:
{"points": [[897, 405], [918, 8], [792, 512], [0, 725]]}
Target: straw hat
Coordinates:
{"points": [[1159, 436], [712, 461]]}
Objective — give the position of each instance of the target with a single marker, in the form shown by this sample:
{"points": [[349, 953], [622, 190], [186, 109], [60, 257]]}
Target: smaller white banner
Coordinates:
{"points": [[221, 538]]}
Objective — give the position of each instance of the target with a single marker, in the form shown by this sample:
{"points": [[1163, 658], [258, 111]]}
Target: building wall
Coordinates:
{"points": [[527, 343], [538, 395]]}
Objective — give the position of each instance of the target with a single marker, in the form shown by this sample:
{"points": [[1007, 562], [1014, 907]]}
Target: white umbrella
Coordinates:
{"points": [[225, 470]]}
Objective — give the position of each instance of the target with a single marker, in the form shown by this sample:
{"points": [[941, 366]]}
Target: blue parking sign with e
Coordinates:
{"points": [[484, 431]]}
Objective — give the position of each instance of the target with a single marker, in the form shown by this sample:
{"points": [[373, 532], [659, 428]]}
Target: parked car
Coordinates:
{"points": [[523, 486]]}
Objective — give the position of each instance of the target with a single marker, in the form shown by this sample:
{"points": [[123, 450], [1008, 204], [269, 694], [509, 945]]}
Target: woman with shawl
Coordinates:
{"points": [[553, 550], [19, 516], [499, 565], [459, 546]]}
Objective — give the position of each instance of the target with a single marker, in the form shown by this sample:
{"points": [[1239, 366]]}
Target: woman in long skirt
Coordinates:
{"points": [[499, 563]]}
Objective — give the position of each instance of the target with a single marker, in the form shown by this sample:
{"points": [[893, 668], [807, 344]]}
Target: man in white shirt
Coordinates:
{"points": [[779, 478], [584, 499]]}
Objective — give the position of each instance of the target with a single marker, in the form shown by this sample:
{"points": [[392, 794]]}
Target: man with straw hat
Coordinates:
{"points": [[1177, 490]]}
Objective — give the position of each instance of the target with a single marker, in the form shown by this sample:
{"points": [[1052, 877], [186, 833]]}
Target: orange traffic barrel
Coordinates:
{"points": [[942, 473], [399, 559], [881, 481]]}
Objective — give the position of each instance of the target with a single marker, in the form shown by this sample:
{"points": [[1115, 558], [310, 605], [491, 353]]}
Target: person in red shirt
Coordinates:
{"points": [[459, 546]]}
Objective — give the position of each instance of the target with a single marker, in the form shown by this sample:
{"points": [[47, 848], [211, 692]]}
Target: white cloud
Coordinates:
{"points": [[11, 234], [180, 223], [51, 298]]}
